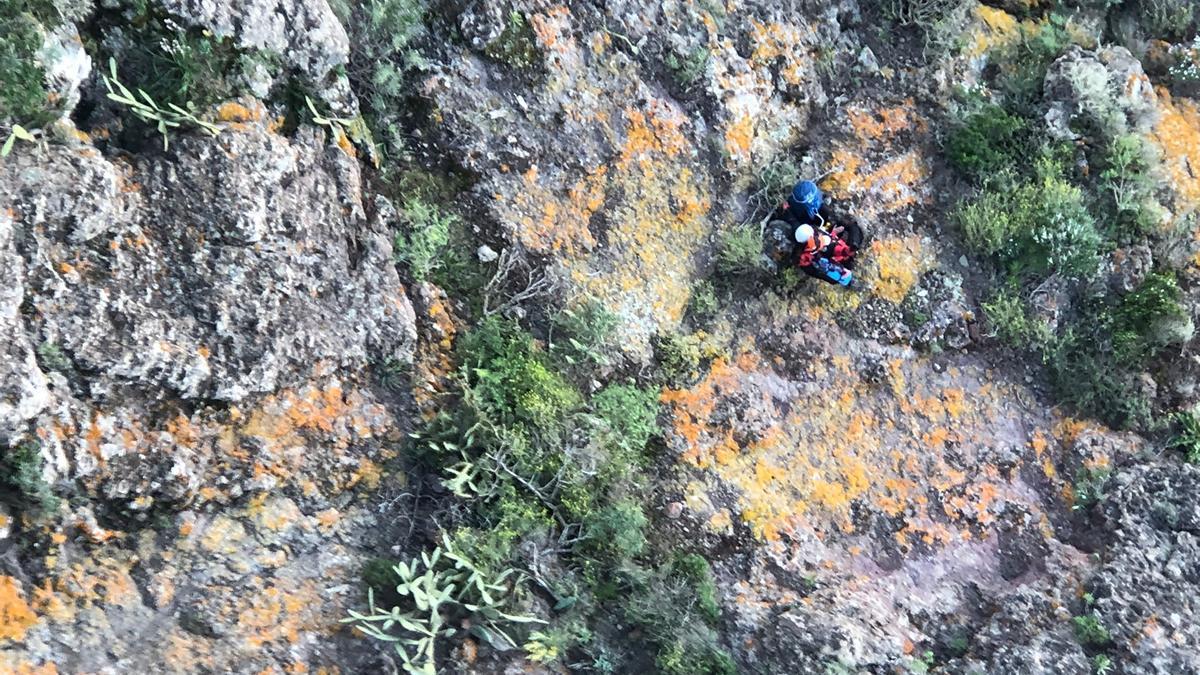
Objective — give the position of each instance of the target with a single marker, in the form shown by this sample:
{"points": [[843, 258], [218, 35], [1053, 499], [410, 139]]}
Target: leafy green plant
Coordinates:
{"points": [[1187, 436], [1101, 664], [513, 381], [146, 109], [678, 357], [1089, 487], [436, 588], [1149, 319], [1090, 632], [704, 304], [631, 413], [21, 475], [740, 250], [515, 45], [1166, 18], [386, 38], [421, 243], [988, 143], [15, 134], [23, 94], [616, 531], [688, 68], [1009, 319], [695, 569], [1037, 228], [587, 332], [51, 357], [1128, 183]]}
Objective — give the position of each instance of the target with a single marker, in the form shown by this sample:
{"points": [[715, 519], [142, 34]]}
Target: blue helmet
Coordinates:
{"points": [[807, 196]]}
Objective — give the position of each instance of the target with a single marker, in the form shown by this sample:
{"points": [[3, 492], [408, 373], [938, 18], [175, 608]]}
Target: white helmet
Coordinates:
{"points": [[804, 233]]}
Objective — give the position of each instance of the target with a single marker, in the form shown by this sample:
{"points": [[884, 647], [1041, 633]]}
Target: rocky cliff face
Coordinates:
{"points": [[211, 363]]}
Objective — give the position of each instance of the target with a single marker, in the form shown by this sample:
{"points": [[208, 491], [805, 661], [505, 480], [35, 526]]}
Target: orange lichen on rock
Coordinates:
{"points": [[16, 617], [1177, 134], [807, 464], [279, 613], [895, 266]]}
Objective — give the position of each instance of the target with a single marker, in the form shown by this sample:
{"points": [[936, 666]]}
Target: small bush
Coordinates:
{"points": [[616, 531], [1187, 437], [51, 357], [703, 304], [1086, 376], [1022, 64], [688, 68], [385, 40], [1166, 18], [631, 413], [587, 333], [740, 250], [697, 571], [1149, 319], [21, 474], [23, 98], [988, 142], [1009, 320], [1090, 632], [678, 659], [678, 358], [512, 380], [422, 242], [1037, 228], [515, 46], [1129, 186]]}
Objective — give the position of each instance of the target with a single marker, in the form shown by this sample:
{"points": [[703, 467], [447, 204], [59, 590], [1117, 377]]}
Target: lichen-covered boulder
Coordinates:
{"points": [[1106, 88], [226, 269]]}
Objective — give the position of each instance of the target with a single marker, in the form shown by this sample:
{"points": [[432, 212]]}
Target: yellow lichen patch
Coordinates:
{"points": [[895, 266], [1177, 134], [995, 28], [233, 111], [809, 463], [15, 615], [279, 613], [782, 42]]}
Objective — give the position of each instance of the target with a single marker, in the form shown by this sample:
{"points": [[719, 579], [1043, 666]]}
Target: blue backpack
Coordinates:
{"points": [[806, 197]]}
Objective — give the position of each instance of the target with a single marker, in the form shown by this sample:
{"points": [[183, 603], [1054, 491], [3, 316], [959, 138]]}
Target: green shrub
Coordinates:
{"points": [[696, 570], [516, 45], [1087, 376], [1128, 184], [1009, 319], [512, 379], [1022, 64], [1090, 632], [703, 304], [51, 357], [1089, 487], [740, 250], [23, 97], [385, 52], [1166, 18], [422, 241], [989, 223], [21, 475], [988, 142], [586, 334], [688, 68], [1037, 228], [1187, 436], [1149, 319], [616, 531], [678, 358], [678, 659], [631, 413]]}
